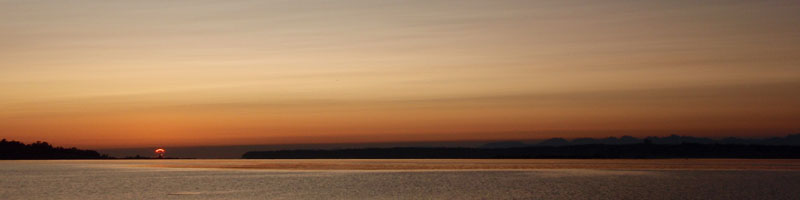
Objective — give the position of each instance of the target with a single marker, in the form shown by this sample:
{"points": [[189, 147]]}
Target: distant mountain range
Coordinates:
{"points": [[790, 140]]}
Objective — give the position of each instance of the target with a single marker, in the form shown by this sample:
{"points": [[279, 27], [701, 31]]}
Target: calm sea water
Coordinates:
{"points": [[149, 179]]}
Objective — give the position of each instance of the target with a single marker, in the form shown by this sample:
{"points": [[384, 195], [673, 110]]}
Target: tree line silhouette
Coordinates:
{"points": [[12, 150]]}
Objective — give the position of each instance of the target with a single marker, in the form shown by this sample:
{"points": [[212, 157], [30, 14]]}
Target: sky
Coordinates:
{"points": [[103, 74]]}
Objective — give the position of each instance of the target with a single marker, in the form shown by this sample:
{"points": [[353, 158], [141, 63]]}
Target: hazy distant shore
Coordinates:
{"points": [[643, 150], [488, 164]]}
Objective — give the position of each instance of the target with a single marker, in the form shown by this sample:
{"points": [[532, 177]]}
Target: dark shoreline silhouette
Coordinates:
{"points": [[627, 147], [673, 146], [574, 151], [14, 150]]}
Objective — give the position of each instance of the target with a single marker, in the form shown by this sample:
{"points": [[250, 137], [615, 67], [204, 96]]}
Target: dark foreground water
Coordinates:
{"points": [[143, 180]]}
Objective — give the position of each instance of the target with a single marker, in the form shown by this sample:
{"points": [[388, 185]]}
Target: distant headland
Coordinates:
{"points": [[626, 147]]}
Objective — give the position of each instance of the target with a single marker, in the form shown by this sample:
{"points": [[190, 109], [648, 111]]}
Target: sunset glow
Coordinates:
{"points": [[103, 74]]}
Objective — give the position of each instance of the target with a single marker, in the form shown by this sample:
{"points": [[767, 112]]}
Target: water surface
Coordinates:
{"points": [[404, 179]]}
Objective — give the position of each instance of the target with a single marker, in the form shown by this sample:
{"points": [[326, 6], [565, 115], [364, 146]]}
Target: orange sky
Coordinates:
{"points": [[101, 74]]}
